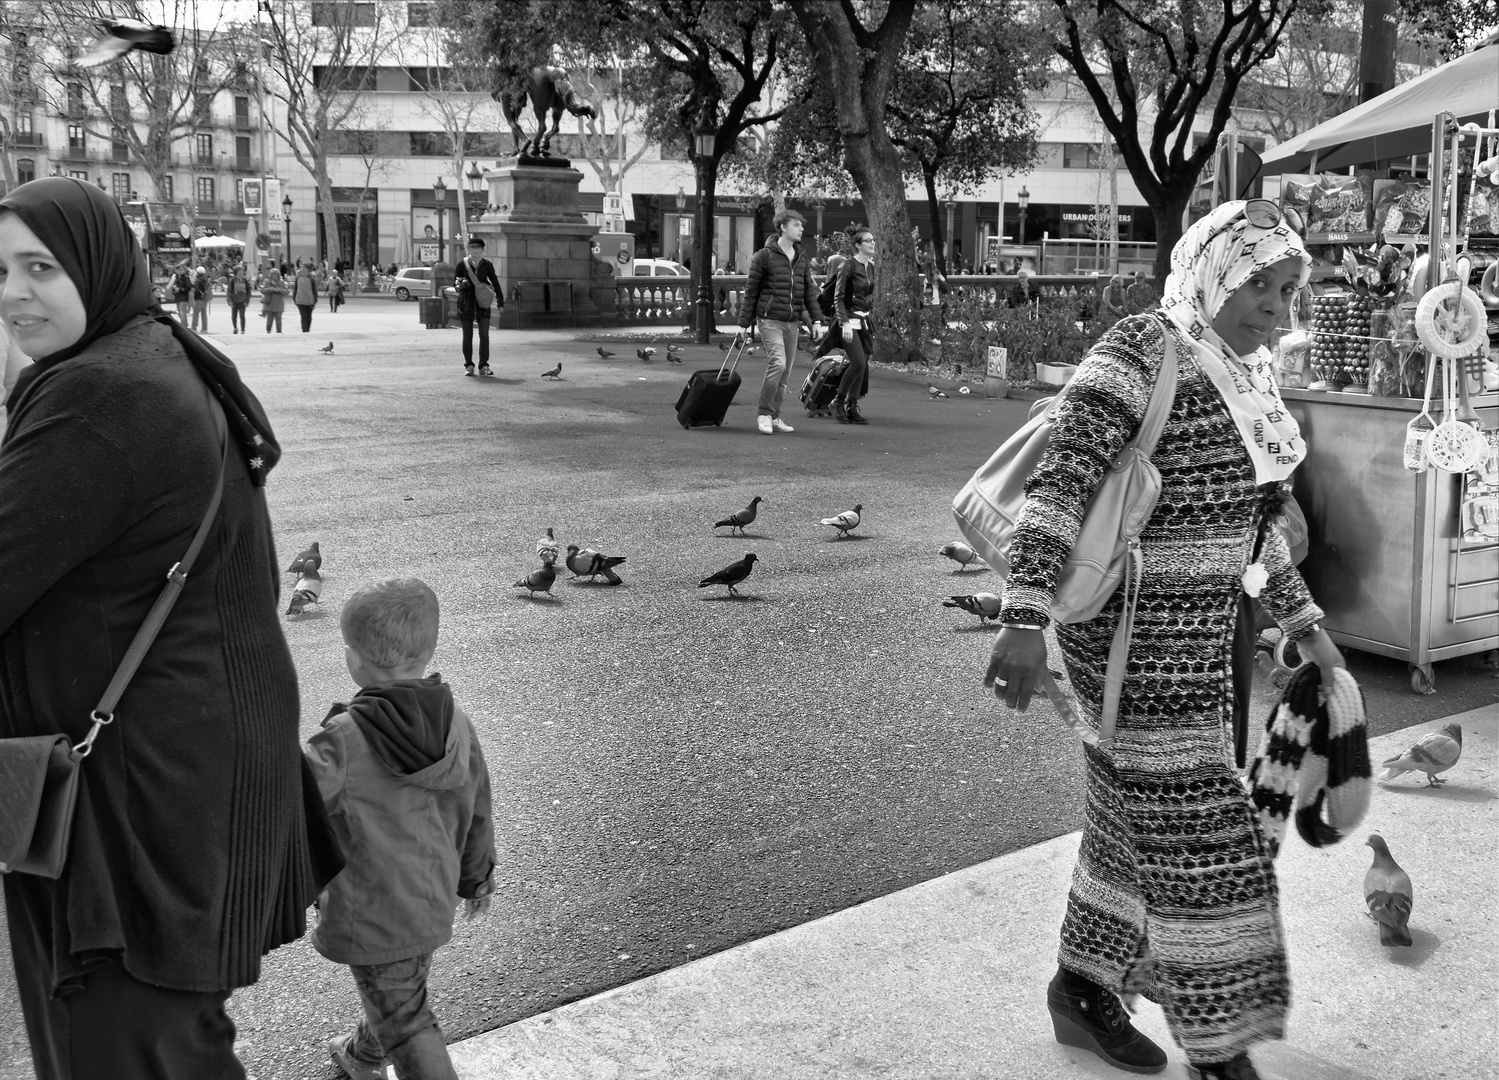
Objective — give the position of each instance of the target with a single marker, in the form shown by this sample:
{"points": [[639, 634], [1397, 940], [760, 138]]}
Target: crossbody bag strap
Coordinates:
{"points": [[176, 578]]}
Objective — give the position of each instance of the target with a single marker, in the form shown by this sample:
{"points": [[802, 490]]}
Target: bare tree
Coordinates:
{"points": [[601, 136], [322, 57], [456, 87], [370, 149]]}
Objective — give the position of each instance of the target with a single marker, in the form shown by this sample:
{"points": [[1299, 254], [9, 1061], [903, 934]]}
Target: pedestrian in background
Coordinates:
{"points": [[854, 297], [1113, 305], [1174, 895], [335, 293], [474, 271], [403, 778], [1141, 294], [273, 299], [201, 286], [304, 295], [182, 293], [778, 293], [239, 299]]}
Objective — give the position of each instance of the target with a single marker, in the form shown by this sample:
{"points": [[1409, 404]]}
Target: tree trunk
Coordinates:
{"points": [[330, 220], [878, 176], [1168, 230], [934, 209]]}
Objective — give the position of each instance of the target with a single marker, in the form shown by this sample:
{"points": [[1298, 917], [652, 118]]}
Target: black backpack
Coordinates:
{"points": [[827, 296]]}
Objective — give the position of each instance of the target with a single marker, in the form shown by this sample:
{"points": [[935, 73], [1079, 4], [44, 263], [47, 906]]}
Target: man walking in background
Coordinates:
{"points": [[479, 292], [779, 292]]}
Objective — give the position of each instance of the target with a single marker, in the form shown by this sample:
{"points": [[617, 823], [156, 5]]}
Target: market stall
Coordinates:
{"points": [[1391, 371]]}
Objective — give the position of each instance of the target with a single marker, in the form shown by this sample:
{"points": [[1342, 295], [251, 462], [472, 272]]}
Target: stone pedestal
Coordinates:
{"points": [[541, 246]]}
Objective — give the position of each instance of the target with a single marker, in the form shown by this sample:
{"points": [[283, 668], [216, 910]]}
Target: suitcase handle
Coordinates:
{"points": [[741, 339]]}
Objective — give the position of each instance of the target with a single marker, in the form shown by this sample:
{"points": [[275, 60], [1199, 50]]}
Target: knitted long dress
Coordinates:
{"points": [[1174, 895]]}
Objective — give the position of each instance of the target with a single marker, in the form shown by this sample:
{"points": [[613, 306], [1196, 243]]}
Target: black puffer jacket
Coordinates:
{"points": [[779, 288]]}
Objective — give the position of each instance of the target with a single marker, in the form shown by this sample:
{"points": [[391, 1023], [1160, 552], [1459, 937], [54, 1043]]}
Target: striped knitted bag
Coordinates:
{"points": [[1315, 755]]}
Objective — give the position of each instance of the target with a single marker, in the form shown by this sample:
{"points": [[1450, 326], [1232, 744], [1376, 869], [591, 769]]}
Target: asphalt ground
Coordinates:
{"points": [[675, 772]]}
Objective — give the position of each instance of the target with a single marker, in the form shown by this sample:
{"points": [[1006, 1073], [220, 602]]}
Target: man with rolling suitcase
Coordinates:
{"points": [[779, 293]]}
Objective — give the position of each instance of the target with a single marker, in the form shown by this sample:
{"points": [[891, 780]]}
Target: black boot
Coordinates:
{"points": [[840, 410], [1240, 1068], [853, 413], [1085, 1015]]}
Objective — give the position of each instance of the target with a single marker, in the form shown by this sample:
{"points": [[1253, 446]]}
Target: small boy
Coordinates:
{"points": [[407, 790]]}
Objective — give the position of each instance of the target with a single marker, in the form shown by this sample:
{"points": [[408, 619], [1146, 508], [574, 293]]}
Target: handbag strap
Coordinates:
{"points": [[176, 578]]}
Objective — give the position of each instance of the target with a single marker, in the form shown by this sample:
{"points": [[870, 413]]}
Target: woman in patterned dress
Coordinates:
{"points": [[1174, 894]]}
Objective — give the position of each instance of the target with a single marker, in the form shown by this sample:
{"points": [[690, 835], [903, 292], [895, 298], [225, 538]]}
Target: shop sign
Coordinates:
{"points": [[251, 197], [1123, 217], [998, 362], [426, 253], [272, 192]]}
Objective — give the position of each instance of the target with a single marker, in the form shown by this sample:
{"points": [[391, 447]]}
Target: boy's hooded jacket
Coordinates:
{"points": [[404, 780]]}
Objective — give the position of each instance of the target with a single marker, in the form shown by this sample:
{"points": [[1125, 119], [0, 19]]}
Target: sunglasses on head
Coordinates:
{"points": [[1264, 214]]}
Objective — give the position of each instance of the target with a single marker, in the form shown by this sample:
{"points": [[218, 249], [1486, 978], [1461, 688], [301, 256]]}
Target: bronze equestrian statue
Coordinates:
{"points": [[549, 88]]}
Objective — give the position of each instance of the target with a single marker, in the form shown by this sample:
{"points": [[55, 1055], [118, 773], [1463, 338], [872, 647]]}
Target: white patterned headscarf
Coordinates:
{"points": [[1216, 256]]}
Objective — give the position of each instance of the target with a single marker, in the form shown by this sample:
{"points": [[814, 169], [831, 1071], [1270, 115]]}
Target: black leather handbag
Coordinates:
{"points": [[40, 774]]}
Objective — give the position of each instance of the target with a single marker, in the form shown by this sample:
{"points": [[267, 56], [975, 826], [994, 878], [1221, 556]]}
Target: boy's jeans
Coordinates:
{"points": [[398, 1026], [780, 350]]}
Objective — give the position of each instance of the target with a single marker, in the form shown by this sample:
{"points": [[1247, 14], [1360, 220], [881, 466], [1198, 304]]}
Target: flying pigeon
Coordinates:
{"points": [[645, 354], [845, 522], [605, 353], [730, 575], [985, 605], [123, 36], [309, 590], [586, 562], [741, 519], [328, 348], [311, 558], [555, 373], [547, 548], [935, 392], [1387, 891], [539, 580], [1437, 751], [959, 553]]}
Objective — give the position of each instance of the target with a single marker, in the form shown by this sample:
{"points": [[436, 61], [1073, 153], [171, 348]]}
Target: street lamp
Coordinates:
{"points": [[440, 190], [817, 205], [681, 218], [475, 181], [1025, 200], [286, 228], [951, 206], [702, 144]]}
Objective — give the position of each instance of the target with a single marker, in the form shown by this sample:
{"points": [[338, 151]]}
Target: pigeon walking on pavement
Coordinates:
{"points": [[674, 353], [604, 353], [1387, 891], [328, 348], [959, 553], [585, 562], [935, 392], [554, 373], [730, 575], [744, 517], [539, 581], [1435, 752], [122, 36], [310, 557], [845, 522], [308, 591], [645, 354], [985, 605], [548, 548]]}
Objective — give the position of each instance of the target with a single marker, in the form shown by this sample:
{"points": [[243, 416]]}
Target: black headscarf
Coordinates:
{"points": [[94, 244]]}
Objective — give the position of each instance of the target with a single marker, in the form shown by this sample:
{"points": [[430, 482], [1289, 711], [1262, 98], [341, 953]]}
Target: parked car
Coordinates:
{"points": [[412, 281], [659, 268]]}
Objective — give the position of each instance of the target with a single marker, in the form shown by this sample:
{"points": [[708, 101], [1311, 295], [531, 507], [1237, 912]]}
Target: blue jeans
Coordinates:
{"points": [[780, 352], [398, 1026]]}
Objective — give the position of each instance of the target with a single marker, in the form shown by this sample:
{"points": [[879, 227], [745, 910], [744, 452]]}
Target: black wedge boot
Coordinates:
{"points": [[1085, 1015]]}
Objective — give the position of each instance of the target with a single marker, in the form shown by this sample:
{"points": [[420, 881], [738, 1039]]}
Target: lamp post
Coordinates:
{"points": [[816, 205], [703, 143], [475, 183], [440, 191], [1025, 200], [681, 218], [286, 228], [947, 248]]}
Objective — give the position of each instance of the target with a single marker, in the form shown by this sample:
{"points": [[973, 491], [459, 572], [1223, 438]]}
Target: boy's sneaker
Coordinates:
{"points": [[780, 425], [767, 425], [484, 370], [468, 369], [340, 1051]]}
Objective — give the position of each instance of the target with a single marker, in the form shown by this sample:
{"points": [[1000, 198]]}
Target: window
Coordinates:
{"points": [[418, 14], [242, 151], [203, 106], [239, 195], [205, 191], [203, 148], [428, 144], [168, 192], [119, 144], [25, 170], [79, 174], [75, 99], [342, 13], [25, 133], [120, 186], [77, 138], [119, 100], [241, 112]]}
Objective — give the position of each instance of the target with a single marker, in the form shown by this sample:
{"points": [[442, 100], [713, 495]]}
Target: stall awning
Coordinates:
{"points": [[1397, 123]]}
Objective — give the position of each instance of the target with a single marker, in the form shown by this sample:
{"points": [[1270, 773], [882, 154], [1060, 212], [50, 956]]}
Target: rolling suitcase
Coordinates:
{"points": [[821, 384], [706, 397]]}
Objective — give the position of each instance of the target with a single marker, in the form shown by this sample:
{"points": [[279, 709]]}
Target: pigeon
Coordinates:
{"points": [[1387, 891], [936, 393], [1437, 751], [959, 553], [584, 562], [311, 558], [539, 580], [964, 390], [645, 354], [328, 348], [547, 548], [555, 373], [309, 590], [673, 357], [845, 522], [985, 605], [730, 575], [605, 353], [741, 519], [122, 36], [725, 346]]}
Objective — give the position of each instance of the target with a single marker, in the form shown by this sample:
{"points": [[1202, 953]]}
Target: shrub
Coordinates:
{"points": [[1044, 334]]}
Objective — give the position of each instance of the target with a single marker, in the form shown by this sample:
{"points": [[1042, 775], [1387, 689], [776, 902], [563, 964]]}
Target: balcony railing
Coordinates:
{"points": [[77, 153], [28, 138]]}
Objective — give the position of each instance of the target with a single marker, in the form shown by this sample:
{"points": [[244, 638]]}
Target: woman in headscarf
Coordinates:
{"points": [[304, 295], [189, 854], [1174, 893]]}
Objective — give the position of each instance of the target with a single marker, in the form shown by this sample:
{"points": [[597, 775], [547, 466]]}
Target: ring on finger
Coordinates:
{"points": [[1000, 682]]}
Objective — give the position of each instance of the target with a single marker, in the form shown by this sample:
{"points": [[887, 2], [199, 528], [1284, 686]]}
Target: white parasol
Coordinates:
{"points": [[217, 242]]}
